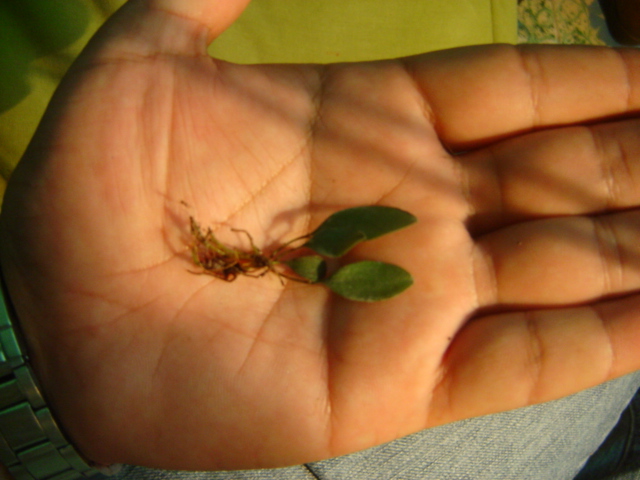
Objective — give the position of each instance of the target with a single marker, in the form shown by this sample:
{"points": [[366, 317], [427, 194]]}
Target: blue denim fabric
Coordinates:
{"points": [[551, 441], [620, 452]]}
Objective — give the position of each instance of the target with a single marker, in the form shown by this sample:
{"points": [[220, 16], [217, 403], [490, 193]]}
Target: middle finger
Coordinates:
{"points": [[574, 170]]}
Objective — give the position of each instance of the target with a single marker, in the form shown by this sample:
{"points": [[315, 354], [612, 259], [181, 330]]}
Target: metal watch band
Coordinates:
{"points": [[32, 447]]}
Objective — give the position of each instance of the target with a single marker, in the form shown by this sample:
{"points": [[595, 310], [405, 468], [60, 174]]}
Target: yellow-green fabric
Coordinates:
{"points": [[40, 38], [328, 31], [38, 41]]}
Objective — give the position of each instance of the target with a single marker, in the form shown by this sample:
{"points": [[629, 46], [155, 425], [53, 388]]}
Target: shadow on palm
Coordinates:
{"points": [[129, 343]]}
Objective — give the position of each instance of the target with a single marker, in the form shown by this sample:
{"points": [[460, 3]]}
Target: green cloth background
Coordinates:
{"points": [[40, 38], [327, 31]]}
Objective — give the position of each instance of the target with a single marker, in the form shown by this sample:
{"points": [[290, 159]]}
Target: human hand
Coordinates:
{"points": [[524, 256]]}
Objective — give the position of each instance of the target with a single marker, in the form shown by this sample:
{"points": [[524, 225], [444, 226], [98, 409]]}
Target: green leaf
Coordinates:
{"points": [[369, 281], [311, 267], [335, 242], [345, 229]]}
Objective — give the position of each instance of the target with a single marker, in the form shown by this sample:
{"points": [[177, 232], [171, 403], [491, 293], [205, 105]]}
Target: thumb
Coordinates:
{"points": [[144, 28], [216, 15]]}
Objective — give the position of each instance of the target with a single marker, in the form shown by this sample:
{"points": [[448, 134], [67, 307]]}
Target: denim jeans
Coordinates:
{"points": [[550, 441]]}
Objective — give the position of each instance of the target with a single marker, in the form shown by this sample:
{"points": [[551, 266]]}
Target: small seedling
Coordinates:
{"points": [[226, 263], [363, 281]]}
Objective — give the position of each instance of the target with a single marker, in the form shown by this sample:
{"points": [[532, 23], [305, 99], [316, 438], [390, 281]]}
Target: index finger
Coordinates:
{"points": [[477, 95]]}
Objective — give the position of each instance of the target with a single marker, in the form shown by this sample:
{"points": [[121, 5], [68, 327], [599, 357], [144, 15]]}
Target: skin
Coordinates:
{"points": [[521, 165]]}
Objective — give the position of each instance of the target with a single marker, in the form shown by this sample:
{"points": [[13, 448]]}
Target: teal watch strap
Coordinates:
{"points": [[32, 447]]}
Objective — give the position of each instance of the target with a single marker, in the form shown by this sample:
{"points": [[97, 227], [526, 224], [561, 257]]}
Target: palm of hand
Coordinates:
{"points": [[140, 350]]}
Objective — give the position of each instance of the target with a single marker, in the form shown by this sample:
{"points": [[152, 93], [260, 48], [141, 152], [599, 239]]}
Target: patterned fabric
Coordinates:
{"points": [[567, 22]]}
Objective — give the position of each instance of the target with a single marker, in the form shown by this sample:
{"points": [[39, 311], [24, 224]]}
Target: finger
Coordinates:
{"points": [[559, 261], [497, 91], [566, 171], [506, 361]]}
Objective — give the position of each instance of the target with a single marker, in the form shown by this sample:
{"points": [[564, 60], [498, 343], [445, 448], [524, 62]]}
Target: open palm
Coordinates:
{"points": [[522, 238]]}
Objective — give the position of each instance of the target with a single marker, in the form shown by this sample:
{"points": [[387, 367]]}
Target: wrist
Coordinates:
{"points": [[32, 446]]}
